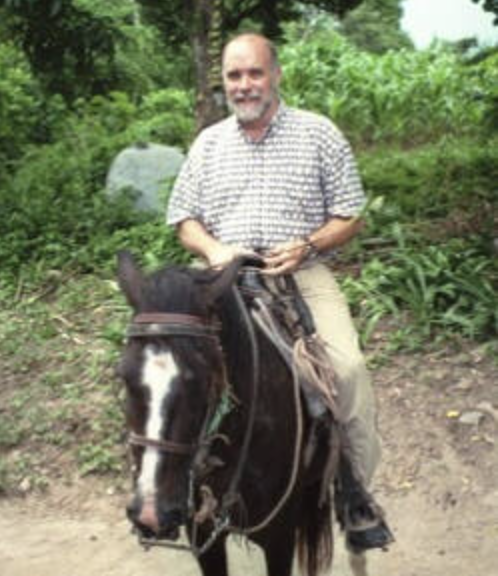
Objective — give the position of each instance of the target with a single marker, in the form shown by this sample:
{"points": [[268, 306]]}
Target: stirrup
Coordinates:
{"points": [[367, 529]]}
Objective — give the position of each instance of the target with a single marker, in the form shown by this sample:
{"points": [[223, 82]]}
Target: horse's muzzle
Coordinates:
{"points": [[154, 522]]}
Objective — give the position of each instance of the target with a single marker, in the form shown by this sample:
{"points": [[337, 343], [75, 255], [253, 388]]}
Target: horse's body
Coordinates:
{"points": [[171, 381]]}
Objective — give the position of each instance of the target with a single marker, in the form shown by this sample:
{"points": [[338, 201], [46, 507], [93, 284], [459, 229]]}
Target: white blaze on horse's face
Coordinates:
{"points": [[158, 373]]}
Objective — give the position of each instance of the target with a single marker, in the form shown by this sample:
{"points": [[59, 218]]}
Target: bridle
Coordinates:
{"points": [[150, 324]]}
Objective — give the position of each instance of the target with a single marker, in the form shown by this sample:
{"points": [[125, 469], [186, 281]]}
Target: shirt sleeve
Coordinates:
{"points": [[185, 200], [341, 183]]}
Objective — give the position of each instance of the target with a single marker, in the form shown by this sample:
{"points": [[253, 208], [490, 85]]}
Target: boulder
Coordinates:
{"points": [[144, 169]]}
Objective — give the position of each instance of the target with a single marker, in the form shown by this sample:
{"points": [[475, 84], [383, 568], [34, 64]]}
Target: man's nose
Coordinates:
{"points": [[245, 83]]}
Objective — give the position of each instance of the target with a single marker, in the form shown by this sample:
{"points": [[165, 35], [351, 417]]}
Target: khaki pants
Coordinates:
{"points": [[356, 401]]}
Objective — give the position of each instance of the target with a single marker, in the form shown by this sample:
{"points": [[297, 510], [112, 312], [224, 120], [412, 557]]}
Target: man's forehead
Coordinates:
{"points": [[250, 51]]}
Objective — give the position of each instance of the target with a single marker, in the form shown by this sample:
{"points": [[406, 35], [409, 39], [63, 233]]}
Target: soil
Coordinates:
{"points": [[438, 482]]}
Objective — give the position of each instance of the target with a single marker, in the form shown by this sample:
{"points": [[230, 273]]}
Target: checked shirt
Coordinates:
{"points": [[259, 193]]}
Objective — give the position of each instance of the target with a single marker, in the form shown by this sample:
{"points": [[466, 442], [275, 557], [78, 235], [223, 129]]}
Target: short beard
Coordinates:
{"points": [[249, 115]]}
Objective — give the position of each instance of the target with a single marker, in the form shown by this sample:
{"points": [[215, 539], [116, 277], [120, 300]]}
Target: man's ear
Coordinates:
{"points": [[278, 75], [130, 278]]}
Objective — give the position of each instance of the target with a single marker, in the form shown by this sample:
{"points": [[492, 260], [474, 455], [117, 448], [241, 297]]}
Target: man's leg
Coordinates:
{"points": [[356, 401]]}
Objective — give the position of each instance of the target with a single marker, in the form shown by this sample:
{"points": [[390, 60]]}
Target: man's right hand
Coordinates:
{"points": [[221, 255], [194, 236]]}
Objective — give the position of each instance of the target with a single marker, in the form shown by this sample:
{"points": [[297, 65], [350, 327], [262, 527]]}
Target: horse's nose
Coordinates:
{"points": [[171, 520], [144, 516], [151, 522], [148, 516]]}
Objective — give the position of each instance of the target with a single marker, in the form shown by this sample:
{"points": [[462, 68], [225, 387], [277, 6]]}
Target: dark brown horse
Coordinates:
{"points": [[216, 425]]}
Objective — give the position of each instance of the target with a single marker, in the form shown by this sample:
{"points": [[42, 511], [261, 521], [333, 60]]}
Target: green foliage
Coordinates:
{"points": [[449, 289], [485, 75], [61, 407], [81, 48], [177, 19], [375, 26], [19, 104], [455, 175], [428, 260], [98, 458], [65, 42], [405, 97], [55, 212], [165, 116]]}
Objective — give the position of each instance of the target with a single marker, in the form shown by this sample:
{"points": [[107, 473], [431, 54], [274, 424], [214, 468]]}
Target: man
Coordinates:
{"points": [[284, 182]]}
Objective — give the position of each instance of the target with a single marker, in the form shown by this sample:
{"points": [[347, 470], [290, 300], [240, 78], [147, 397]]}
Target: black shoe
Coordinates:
{"points": [[376, 535]]}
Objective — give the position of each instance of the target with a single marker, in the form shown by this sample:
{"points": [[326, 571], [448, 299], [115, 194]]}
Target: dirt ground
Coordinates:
{"points": [[438, 483]]}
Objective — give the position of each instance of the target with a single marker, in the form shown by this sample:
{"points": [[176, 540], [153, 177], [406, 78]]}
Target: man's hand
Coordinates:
{"points": [[285, 258], [220, 255]]}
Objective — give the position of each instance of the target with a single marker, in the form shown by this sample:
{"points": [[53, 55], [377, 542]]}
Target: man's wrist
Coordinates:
{"points": [[311, 249]]}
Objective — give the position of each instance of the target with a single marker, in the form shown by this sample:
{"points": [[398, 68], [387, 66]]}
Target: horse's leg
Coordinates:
{"points": [[214, 561], [279, 554], [358, 563]]}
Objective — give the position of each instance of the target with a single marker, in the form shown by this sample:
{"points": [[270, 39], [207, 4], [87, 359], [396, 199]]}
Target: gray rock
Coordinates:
{"points": [[144, 169], [472, 418]]}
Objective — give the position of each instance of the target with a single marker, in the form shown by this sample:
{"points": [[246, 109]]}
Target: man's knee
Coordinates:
{"points": [[353, 387]]}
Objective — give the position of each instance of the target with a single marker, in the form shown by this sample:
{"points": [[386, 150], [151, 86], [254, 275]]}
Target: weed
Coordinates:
{"points": [[432, 290], [99, 458], [11, 433]]}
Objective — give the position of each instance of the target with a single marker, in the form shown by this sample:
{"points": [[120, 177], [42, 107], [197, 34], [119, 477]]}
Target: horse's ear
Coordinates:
{"points": [[130, 278], [224, 279]]}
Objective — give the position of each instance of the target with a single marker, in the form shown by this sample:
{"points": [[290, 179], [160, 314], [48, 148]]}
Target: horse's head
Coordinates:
{"points": [[173, 370]]}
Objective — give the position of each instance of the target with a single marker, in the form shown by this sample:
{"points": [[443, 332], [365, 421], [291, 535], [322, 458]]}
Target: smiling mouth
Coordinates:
{"points": [[252, 101]]}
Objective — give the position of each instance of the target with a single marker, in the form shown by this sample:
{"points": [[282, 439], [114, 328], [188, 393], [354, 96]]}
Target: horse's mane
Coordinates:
{"points": [[175, 289]]}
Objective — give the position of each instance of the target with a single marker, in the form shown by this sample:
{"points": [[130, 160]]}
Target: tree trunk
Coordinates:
{"points": [[207, 44]]}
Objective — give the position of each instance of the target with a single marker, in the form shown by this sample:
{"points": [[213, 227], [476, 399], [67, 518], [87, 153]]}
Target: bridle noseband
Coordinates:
{"points": [[167, 446]]}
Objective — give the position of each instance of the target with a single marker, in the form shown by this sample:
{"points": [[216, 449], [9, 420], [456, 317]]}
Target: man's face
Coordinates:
{"points": [[250, 80]]}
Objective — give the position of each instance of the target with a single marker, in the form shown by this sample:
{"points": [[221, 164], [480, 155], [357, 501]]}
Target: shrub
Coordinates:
{"points": [[433, 181], [19, 104], [54, 208], [403, 97], [449, 289]]}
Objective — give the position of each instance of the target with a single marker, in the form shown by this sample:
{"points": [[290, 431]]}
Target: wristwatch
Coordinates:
{"points": [[311, 249]]}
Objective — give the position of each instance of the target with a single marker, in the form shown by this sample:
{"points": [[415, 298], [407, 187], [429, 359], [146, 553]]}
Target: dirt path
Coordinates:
{"points": [[438, 482]]}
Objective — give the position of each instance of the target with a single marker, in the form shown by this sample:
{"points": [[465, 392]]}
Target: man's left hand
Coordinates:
{"points": [[285, 258]]}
